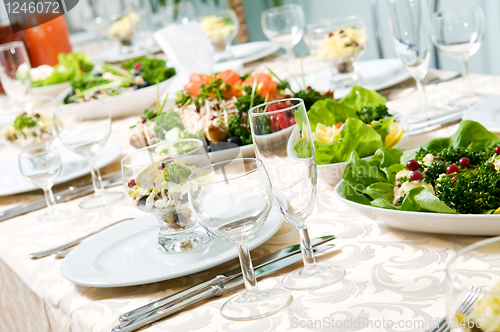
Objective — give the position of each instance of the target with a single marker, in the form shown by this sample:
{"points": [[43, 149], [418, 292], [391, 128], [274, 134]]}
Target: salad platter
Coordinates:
{"points": [[450, 185]]}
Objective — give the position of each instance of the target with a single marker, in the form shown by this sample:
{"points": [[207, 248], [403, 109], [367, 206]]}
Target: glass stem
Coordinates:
{"points": [[49, 198], [228, 51], [421, 92], [465, 76], [96, 179], [247, 270], [306, 248], [289, 53]]}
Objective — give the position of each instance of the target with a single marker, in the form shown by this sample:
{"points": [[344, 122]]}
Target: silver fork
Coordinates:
{"points": [[465, 308]]}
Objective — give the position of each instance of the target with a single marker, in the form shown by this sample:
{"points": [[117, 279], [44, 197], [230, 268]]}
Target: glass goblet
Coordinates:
{"points": [[41, 166], [284, 25], [458, 32], [221, 27], [283, 141], [339, 42], [155, 180], [472, 277], [84, 129], [233, 200], [180, 13], [15, 71]]}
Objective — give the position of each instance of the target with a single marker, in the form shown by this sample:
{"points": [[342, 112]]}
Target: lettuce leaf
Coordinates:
{"points": [[359, 173], [69, 66], [329, 112], [360, 97], [382, 127], [383, 190], [422, 200], [352, 195]]}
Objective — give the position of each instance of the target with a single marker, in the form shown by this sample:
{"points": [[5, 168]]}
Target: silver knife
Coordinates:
{"points": [[219, 279], [64, 195], [216, 290]]}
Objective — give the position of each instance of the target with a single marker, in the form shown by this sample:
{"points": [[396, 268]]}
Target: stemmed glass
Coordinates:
{"points": [[84, 128], [180, 13], [409, 25], [473, 274], [143, 27], [221, 28], [284, 25], [41, 166], [233, 200], [282, 139], [94, 19], [15, 71], [458, 32]]}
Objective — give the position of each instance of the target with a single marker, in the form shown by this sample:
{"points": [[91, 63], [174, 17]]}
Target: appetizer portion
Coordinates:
{"points": [[69, 67], [29, 129], [485, 314], [122, 28], [458, 174], [360, 122], [112, 80], [218, 29], [162, 190]]}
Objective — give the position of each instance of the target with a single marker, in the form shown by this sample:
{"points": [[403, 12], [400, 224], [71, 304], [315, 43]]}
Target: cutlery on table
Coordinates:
{"points": [[213, 290], [438, 123], [64, 195], [437, 80], [257, 263], [44, 253], [465, 308]]}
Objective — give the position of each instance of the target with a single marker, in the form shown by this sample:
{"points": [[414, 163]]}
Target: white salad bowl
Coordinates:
{"points": [[52, 90], [427, 222], [128, 103]]}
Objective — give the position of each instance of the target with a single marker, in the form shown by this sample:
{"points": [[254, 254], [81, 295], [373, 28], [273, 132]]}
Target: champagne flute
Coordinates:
{"points": [[458, 32], [84, 128], [283, 141], [232, 199], [409, 25], [284, 25], [41, 166], [15, 71]]}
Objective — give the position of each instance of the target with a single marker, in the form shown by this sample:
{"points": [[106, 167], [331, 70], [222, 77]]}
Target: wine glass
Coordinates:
{"points": [[409, 25], [84, 128], [15, 71], [155, 181], [284, 25], [41, 166], [473, 274], [458, 32], [180, 13], [142, 27], [233, 200], [282, 139], [221, 27], [339, 42], [94, 19]]}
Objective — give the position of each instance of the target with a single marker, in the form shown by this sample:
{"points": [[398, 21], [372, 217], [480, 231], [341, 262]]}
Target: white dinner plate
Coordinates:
{"points": [[249, 52], [126, 255], [486, 112], [73, 166], [440, 223], [376, 75]]}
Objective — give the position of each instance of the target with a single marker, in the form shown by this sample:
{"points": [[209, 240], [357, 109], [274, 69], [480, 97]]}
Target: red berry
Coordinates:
{"points": [[416, 176], [412, 165], [330, 34], [452, 169], [131, 183], [491, 164], [453, 179], [288, 96], [497, 150], [464, 162], [309, 87], [341, 31], [137, 65], [143, 121]]}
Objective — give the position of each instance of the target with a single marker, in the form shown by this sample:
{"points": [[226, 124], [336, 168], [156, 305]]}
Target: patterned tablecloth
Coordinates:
{"points": [[394, 281]]}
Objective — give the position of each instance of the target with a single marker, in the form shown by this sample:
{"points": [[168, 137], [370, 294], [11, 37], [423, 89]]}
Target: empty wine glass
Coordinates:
{"points": [[472, 278], [15, 71], [284, 25], [458, 32], [221, 27], [84, 128], [339, 42], [143, 26], [283, 141], [180, 13], [41, 166], [233, 200], [409, 25], [94, 19]]}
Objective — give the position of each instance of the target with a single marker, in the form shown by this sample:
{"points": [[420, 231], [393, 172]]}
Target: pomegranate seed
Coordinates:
{"points": [[213, 117], [330, 34], [412, 165], [309, 87], [453, 179], [131, 183], [452, 169], [491, 164], [137, 65], [464, 162], [36, 115], [497, 150], [180, 104], [341, 31], [161, 166], [416, 176], [288, 96], [144, 120]]}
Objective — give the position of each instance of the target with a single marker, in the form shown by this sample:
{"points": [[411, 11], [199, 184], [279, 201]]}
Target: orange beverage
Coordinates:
{"points": [[46, 41]]}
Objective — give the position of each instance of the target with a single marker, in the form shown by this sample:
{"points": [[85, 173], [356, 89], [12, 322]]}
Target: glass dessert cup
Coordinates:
{"points": [[472, 278], [221, 28], [155, 180]]}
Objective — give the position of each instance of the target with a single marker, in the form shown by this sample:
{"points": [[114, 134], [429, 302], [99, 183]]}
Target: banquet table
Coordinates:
{"points": [[394, 279]]}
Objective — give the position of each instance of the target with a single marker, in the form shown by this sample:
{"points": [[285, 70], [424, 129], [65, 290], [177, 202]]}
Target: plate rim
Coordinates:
{"points": [[479, 108]]}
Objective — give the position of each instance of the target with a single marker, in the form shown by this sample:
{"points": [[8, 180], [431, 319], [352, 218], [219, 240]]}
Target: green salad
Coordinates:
{"points": [[457, 174], [69, 66], [359, 122]]}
